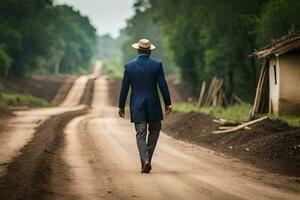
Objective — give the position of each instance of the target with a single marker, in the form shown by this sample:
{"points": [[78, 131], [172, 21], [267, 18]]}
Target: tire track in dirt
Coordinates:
{"points": [[20, 129], [101, 162], [28, 175], [87, 96], [63, 91]]}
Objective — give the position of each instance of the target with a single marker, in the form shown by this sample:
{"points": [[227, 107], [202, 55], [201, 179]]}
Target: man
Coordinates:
{"points": [[143, 75]]}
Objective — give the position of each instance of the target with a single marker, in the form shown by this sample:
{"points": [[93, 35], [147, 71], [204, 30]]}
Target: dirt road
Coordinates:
{"points": [[97, 158]]}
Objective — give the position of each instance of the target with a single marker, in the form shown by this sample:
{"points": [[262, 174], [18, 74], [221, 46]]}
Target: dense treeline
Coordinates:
{"points": [[110, 48], [37, 36], [215, 37], [140, 26]]}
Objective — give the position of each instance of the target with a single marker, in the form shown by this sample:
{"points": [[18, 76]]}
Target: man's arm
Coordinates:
{"points": [[123, 93], [163, 87]]}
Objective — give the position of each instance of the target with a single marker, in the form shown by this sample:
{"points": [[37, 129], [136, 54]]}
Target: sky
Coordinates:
{"points": [[107, 16]]}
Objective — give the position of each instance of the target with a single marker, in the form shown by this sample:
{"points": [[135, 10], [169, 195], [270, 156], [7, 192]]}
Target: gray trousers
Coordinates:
{"points": [[146, 145]]}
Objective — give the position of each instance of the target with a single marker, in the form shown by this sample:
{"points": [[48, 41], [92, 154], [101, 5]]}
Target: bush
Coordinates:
{"points": [[113, 68], [17, 99]]}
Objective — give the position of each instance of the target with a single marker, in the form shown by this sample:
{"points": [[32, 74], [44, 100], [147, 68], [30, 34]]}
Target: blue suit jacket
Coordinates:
{"points": [[143, 75]]}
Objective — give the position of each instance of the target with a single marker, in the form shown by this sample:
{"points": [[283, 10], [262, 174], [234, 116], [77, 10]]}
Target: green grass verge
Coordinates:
{"points": [[18, 99], [238, 112], [113, 68], [290, 119]]}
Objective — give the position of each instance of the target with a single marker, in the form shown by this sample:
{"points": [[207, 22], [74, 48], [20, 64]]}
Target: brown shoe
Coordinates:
{"points": [[147, 167]]}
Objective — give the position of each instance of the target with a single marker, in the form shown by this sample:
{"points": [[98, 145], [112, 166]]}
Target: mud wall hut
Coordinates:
{"points": [[278, 89]]}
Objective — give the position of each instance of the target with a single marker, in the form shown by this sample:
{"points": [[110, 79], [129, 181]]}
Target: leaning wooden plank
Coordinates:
{"points": [[200, 100], [226, 127], [238, 99], [215, 101], [220, 121], [225, 100], [226, 123], [216, 90], [213, 89], [211, 86], [258, 89], [241, 126], [220, 98], [263, 83], [263, 108], [258, 93]]}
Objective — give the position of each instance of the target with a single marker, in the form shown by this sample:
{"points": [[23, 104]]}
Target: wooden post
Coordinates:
{"points": [[238, 99], [261, 88], [215, 91], [241, 126], [220, 97], [201, 95], [210, 90], [258, 89]]}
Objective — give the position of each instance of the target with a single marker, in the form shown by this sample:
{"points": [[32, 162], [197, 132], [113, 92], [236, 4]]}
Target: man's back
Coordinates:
{"points": [[143, 75]]}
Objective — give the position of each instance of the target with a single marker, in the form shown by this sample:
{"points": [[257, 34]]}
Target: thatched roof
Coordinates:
{"points": [[282, 45]]}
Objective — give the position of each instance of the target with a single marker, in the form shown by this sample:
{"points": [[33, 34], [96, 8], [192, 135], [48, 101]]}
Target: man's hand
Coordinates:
{"points": [[121, 112], [168, 109]]}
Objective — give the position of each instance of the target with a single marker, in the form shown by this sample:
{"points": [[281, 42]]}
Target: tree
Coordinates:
{"points": [[38, 36], [143, 25], [277, 19], [78, 39], [5, 62], [210, 37]]}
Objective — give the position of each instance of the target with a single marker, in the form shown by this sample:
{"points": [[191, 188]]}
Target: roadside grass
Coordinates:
{"points": [[4, 111], [113, 68], [237, 112], [18, 99], [292, 120]]}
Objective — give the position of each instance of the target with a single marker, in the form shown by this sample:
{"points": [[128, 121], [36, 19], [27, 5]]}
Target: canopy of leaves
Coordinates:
{"points": [[37, 36], [143, 25], [215, 37]]}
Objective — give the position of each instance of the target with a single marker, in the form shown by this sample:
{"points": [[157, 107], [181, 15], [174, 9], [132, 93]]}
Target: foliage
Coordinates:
{"points": [[292, 120], [110, 48], [5, 62], [110, 52], [237, 112], [113, 67], [78, 37], [279, 17], [215, 37], [35, 36], [143, 25], [18, 99]]}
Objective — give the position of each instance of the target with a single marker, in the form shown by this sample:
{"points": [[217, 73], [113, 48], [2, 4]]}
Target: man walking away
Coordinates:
{"points": [[143, 75]]}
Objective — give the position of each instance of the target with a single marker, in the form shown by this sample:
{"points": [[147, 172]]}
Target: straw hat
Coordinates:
{"points": [[143, 44]]}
